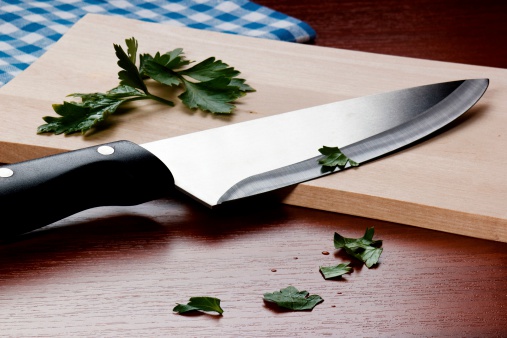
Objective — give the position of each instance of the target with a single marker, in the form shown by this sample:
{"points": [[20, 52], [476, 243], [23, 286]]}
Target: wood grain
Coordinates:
{"points": [[117, 272], [468, 32], [426, 191]]}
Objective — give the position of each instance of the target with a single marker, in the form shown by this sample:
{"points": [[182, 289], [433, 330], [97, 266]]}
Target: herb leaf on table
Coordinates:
{"points": [[293, 299], [364, 249], [335, 271], [206, 304]]}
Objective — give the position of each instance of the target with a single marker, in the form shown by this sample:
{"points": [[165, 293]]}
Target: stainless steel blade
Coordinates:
{"points": [[444, 112], [248, 158]]}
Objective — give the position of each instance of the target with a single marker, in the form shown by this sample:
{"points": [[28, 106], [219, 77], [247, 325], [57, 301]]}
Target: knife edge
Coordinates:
{"points": [[436, 117]]}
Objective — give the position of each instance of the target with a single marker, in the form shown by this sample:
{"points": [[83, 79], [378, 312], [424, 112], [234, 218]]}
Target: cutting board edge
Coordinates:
{"points": [[396, 211], [13, 152]]}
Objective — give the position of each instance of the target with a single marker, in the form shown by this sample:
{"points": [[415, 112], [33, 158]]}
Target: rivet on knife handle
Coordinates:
{"points": [[38, 192]]}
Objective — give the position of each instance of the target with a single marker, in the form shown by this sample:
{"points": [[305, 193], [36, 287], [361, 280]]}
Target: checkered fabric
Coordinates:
{"points": [[28, 28]]}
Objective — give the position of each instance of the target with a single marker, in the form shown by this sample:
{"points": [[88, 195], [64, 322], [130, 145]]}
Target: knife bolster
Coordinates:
{"points": [[38, 192]]}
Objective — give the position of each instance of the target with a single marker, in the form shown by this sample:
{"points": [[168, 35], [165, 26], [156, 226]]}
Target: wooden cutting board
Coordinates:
{"points": [[454, 182]]}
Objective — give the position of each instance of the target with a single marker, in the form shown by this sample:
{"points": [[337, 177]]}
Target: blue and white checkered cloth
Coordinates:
{"points": [[28, 28]]}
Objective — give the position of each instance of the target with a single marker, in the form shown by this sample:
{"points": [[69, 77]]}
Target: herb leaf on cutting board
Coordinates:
{"points": [[210, 86], [130, 75]]}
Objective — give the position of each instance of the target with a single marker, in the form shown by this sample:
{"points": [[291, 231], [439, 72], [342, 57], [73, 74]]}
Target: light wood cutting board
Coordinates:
{"points": [[454, 182]]}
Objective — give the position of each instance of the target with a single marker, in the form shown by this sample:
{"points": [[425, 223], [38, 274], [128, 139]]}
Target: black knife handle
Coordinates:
{"points": [[38, 192]]}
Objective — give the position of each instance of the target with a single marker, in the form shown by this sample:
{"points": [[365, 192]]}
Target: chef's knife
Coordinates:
{"points": [[222, 164]]}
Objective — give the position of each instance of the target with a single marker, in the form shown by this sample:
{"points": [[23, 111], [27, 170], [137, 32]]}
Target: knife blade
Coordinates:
{"points": [[223, 164]]}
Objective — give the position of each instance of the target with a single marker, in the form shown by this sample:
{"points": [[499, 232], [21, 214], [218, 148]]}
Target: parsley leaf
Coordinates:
{"points": [[161, 68], [335, 158], [94, 108], [293, 299], [335, 271], [130, 75], [132, 49], [210, 69], [210, 85], [207, 304], [242, 86], [214, 95], [365, 248]]}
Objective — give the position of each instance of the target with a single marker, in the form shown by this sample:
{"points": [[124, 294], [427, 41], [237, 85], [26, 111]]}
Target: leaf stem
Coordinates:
{"points": [[150, 97], [160, 99]]}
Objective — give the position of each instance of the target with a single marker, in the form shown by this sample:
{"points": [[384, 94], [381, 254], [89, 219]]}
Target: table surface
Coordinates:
{"points": [[118, 271]]}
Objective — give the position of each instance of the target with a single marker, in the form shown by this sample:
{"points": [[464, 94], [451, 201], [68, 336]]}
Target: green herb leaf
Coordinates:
{"points": [[132, 49], [214, 95], [214, 89], [173, 59], [292, 299], [207, 304], [210, 69], [94, 108], [242, 86], [335, 271], [217, 88], [78, 117], [161, 68], [143, 58], [335, 158], [120, 92], [365, 248], [130, 75], [160, 73]]}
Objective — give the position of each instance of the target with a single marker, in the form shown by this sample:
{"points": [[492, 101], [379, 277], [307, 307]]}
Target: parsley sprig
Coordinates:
{"points": [[210, 86], [365, 249]]}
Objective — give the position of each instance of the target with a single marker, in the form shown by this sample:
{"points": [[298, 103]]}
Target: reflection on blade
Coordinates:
{"points": [[434, 118]]}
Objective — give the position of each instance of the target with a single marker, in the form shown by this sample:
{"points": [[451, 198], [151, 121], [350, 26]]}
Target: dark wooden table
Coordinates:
{"points": [[119, 271], [470, 31]]}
